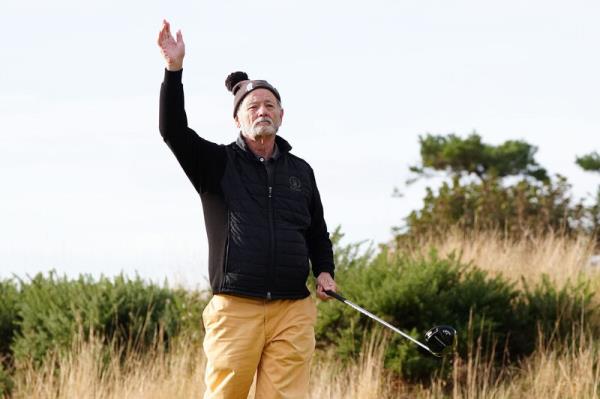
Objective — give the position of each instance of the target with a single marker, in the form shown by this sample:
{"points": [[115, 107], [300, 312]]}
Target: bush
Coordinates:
{"points": [[554, 313], [416, 294], [520, 210], [9, 319], [130, 314]]}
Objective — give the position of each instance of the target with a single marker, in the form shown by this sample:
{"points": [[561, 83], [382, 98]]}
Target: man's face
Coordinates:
{"points": [[259, 114]]}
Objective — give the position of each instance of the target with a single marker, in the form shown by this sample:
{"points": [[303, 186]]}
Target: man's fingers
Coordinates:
{"points": [[328, 284], [162, 35], [321, 288], [321, 293], [324, 283]]}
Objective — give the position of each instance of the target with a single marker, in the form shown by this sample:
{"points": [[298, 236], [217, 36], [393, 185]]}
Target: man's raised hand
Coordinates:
{"points": [[172, 50]]}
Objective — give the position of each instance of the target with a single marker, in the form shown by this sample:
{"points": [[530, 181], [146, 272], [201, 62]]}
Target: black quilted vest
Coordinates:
{"points": [[268, 217]]}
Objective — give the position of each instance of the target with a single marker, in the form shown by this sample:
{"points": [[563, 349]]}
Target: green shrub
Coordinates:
{"points": [[130, 314], [518, 210], [553, 313], [9, 319], [416, 294]]}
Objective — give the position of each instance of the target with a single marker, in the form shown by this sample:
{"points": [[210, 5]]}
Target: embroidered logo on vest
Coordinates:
{"points": [[295, 184]]}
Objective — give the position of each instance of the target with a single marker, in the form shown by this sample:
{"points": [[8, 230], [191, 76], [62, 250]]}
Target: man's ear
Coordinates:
{"points": [[281, 116], [237, 121]]}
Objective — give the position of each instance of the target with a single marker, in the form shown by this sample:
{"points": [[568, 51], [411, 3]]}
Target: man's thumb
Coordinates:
{"points": [[179, 36]]}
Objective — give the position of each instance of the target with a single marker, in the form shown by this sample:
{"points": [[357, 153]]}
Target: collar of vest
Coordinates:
{"points": [[282, 146]]}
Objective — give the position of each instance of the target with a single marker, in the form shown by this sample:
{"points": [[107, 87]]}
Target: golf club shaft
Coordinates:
{"points": [[372, 316]]}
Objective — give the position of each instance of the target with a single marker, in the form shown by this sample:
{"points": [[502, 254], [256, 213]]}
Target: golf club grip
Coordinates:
{"points": [[335, 295]]}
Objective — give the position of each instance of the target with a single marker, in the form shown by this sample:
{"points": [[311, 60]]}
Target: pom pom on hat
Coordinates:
{"points": [[235, 78], [239, 90]]}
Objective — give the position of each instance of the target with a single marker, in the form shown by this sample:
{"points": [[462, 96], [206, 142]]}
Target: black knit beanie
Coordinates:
{"points": [[239, 85]]}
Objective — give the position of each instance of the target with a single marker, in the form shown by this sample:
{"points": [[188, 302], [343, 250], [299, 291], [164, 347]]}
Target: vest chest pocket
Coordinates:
{"points": [[292, 203]]}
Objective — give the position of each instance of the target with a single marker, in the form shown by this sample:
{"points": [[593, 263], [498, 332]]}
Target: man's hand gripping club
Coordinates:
{"points": [[325, 282]]}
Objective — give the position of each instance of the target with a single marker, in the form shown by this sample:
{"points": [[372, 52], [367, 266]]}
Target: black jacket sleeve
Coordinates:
{"points": [[319, 245], [202, 160]]}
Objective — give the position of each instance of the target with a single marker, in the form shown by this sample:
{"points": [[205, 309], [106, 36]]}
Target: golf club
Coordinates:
{"points": [[441, 339]]}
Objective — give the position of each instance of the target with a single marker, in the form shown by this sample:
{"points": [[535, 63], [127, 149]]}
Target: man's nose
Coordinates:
{"points": [[262, 110]]}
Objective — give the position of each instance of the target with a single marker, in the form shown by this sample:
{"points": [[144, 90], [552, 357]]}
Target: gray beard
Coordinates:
{"points": [[258, 131]]}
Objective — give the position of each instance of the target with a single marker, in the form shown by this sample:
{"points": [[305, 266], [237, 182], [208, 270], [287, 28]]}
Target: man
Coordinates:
{"points": [[264, 221]]}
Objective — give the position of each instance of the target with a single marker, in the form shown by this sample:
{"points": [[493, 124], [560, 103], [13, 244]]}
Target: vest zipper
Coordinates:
{"points": [[271, 265]]}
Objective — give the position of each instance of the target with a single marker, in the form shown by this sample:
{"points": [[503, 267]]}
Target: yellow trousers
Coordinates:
{"points": [[274, 339]]}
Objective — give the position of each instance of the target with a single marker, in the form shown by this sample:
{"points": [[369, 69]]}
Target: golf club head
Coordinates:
{"points": [[442, 340]]}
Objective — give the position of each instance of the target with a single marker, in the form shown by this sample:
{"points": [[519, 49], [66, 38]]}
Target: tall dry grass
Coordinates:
{"points": [[365, 378], [558, 370], [91, 370], [561, 258]]}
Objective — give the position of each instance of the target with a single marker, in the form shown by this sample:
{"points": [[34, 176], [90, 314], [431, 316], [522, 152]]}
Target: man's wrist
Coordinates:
{"points": [[174, 67], [329, 272]]}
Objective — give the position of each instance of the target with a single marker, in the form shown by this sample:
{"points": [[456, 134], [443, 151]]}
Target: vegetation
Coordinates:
{"points": [[420, 292], [470, 156], [591, 163], [43, 317], [496, 188], [561, 358], [500, 251]]}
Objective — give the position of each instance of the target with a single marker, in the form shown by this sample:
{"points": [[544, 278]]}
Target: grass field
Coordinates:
{"points": [[555, 370]]}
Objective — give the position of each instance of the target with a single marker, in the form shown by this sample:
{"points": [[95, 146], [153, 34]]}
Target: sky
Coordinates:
{"points": [[89, 186]]}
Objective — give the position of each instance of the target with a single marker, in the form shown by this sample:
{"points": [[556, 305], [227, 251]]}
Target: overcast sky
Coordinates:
{"points": [[89, 186]]}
